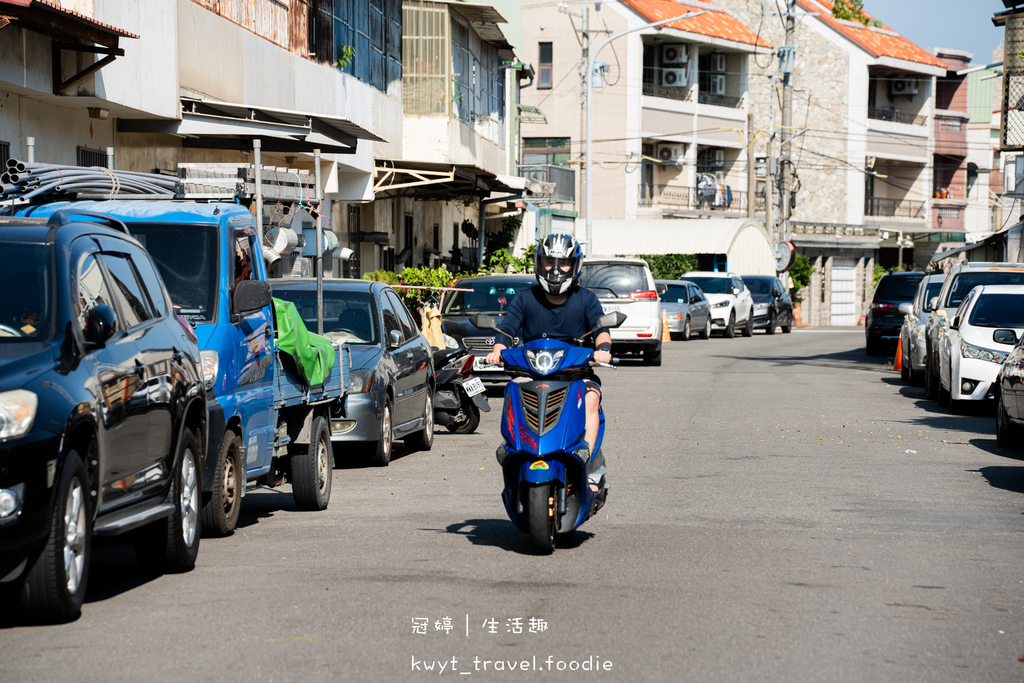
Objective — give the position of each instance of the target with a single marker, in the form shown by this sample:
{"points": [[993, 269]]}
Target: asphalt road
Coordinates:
{"points": [[782, 508]]}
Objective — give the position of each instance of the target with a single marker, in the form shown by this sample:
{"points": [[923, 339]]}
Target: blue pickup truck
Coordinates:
{"points": [[266, 423]]}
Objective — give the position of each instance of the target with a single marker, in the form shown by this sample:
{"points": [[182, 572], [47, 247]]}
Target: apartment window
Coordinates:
{"points": [[92, 157], [545, 62], [540, 151], [949, 124]]}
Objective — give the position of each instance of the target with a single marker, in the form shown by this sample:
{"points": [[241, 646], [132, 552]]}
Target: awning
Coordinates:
{"points": [[70, 31], [207, 124], [436, 180], [670, 235], [485, 20], [939, 255]]}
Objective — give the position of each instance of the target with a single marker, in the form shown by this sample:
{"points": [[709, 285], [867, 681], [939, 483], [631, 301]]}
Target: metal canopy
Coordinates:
{"points": [[433, 180]]}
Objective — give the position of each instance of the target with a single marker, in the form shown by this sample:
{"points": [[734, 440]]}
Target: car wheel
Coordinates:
{"points": [[706, 332], [652, 356], [221, 507], [748, 329], [172, 544], [772, 322], [382, 452], [788, 327], [54, 587], [730, 329], [312, 467], [423, 440], [1004, 433], [686, 330]]}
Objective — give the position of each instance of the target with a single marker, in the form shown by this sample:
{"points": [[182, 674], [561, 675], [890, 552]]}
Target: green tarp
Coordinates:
{"points": [[313, 354]]}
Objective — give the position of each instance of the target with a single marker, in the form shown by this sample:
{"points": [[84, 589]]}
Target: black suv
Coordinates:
{"points": [[102, 410], [883, 321]]}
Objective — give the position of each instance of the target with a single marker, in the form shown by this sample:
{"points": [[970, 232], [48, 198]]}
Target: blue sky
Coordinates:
{"points": [[960, 24]]}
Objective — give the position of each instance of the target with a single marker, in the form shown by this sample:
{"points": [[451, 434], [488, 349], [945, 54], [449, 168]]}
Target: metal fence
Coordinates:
{"points": [[1012, 134], [564, 180], [690, 199], [893, 208], [894, 114]]}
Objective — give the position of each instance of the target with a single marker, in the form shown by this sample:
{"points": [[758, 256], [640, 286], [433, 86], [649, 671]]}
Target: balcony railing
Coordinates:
{"points": [[894, 208], [718, 100], [692, 199], [564, 180], [681, 93], [894, 114]]}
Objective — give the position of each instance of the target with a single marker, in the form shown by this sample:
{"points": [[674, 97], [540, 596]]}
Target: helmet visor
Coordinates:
{"points": [[557, 269]]}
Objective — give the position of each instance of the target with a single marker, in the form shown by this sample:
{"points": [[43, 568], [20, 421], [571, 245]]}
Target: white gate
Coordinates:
{"points": [[843, 295]]}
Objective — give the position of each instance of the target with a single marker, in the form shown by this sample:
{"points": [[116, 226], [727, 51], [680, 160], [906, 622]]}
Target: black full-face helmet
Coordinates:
{"points": [[553, 253]]}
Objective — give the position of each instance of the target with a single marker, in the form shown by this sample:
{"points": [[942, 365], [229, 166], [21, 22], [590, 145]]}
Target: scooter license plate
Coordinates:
{"points": [[480, 365], [473, 386]]}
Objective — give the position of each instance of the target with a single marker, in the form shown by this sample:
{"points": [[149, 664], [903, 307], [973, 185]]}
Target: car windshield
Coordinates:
{"points": [[965, 282], [931, 290], [998, 310], [489, 298], [758, 285], [712, 285], [676, 294], [186, 256], [349, 317], [898, 287], [618, 279], [27, 303]]}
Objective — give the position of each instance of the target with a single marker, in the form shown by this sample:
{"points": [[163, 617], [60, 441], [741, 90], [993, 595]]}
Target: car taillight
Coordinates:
{"points": [[651, 294], [467, 367], [875, 306]]}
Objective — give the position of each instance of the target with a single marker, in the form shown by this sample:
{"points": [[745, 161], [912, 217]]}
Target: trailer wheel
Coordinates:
{"points": [[311, 470]]}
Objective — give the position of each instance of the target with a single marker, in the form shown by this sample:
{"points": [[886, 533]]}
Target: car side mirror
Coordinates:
{"points": [[662, 290], [736, 291], [906, 308], [101, 325], [1004, 337], [955, 325], [250, 296], [933, 303], [394, 339]]}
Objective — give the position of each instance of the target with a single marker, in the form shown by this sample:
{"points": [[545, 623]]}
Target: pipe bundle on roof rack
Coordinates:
{"points": [[25, 181]]}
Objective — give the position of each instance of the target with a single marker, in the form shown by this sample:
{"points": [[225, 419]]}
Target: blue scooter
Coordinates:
{"points": [[544, 458]]}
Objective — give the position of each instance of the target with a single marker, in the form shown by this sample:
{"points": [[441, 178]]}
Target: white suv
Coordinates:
{"points": [[626, 284], [731, 302]]}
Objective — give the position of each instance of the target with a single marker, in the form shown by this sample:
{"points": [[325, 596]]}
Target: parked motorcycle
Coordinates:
{"points": [[458, 397], [544, 458]]}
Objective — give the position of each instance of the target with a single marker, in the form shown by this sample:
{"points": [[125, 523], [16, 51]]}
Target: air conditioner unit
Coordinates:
{"points": [[717, 61], [717, 84], [904, 86], [673, 54], [673, 78], [719, 156], [670, 153]]}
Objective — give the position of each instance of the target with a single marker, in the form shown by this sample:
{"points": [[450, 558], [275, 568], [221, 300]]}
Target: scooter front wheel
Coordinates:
{"points": [[540, 516]]}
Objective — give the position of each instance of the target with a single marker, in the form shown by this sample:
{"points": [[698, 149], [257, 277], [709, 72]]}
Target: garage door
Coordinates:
{"points": [[843, 297]]}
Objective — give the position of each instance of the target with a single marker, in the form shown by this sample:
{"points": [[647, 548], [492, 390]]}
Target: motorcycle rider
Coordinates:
{"points": [[558, 308]]}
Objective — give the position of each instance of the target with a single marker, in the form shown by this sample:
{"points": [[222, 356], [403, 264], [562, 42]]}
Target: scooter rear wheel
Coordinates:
{"points": [[540, 511], [469, 423]]}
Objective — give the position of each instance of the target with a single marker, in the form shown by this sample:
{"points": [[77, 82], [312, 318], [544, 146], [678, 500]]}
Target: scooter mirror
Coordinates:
{"points": [[483, 322], [614, 319]]}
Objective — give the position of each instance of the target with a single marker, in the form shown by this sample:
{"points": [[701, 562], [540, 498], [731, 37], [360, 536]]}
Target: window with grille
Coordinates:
{"points": [[949, 124], [540, 151], [949, 213], [544, 66], [92, 157]]}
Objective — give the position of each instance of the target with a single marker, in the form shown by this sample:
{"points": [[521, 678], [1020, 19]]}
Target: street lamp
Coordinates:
{"points": [[589, 154]]}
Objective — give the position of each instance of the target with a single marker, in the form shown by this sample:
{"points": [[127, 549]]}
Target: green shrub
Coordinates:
{"points": [[670, 266], [800, 275]]}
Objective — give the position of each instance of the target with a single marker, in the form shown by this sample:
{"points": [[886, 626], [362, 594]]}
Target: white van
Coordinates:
{"points": [[626, 284]]}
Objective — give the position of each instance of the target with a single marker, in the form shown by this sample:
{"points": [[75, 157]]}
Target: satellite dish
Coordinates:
{"points": [[785, 255]]}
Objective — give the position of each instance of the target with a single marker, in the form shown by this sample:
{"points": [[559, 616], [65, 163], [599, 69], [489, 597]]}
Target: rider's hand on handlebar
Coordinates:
{"points": [[602, 356], [494, 357]]}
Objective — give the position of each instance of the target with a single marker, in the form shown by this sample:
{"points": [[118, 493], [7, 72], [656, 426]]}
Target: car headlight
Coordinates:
{"points": [[721, 304], [761, 307], [979, 353], [359, 381], [543, 360], [211, 363], [17, 413]]}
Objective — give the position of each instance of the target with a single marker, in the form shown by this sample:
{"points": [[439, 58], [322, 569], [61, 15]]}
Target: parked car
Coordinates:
{"points": [[960, 280], [980, 337], [686, 309], [491, 296], [731, 302], [883, 320], [917, 312], [1009, 391], [773, 306], [626, 284], [103, 414], [390, 390]]}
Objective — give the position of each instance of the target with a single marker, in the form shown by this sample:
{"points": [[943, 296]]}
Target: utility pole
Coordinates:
{"points": [[751, 170], [785, 167], [769, 168], [584, 94]]}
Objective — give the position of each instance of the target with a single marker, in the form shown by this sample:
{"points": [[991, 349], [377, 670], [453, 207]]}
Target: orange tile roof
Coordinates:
{"points": [[715, 22], [877, 43]]}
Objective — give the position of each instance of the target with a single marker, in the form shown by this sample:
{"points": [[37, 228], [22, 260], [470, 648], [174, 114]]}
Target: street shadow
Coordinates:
{"points": [[263, 505], [850, 359], [500, 533], [1006, 477]]}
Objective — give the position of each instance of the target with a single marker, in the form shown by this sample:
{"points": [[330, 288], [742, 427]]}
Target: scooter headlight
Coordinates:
{"points": [[544, 361]]}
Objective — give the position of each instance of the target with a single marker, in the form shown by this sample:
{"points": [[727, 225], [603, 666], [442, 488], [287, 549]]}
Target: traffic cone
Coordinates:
{"points": [[898, 365], [666, 336]]}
